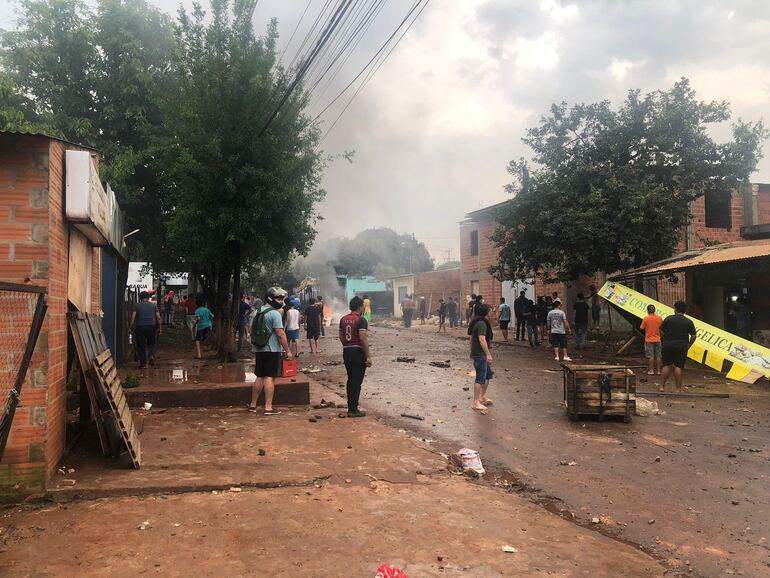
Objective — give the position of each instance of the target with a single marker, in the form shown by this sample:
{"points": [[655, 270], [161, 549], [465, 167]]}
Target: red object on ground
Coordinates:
{"points": [[289, 368], [388, 571]]}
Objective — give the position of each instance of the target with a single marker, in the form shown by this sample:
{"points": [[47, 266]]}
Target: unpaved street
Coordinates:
{"points": [[689, 486]]}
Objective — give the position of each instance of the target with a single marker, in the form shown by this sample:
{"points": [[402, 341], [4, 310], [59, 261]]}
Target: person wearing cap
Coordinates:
{"points": [[268, 358], [558, 326]]}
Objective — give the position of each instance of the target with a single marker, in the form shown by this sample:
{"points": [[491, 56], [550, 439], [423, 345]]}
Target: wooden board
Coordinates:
{"points": [[103, 369], [112, 413], [79, 267], [96, 410]]}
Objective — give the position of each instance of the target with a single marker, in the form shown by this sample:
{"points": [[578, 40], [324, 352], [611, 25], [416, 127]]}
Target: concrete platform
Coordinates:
{"points": [[288, 391], [193, 383]]}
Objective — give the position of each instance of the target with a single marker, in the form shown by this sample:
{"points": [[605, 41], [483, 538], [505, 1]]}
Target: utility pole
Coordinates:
{"points": [[448, 255], [412, 241]]}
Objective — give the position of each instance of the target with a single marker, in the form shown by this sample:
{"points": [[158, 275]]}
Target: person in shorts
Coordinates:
{"points": [[292, 327], [558, 327], [268, 358], [677, 335], [504, 318], [481, 336], [204, 321], [652, 346]]}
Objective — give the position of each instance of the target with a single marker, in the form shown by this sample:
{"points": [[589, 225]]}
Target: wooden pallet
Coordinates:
{"points": [[86, 351], [584, 396], [107, 376], [117, 433]]}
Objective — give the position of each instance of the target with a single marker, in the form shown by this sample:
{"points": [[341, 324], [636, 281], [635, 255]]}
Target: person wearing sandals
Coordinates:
{"points": [[652, 345], [481, 335], [268, 341]]}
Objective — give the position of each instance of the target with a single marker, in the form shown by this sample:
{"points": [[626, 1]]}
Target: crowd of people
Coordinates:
{"points": [[273, 329]]}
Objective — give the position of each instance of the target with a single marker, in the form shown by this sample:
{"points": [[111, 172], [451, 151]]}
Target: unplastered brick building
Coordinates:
{"points": [[44, 245], [433, 285], [715, 219]]}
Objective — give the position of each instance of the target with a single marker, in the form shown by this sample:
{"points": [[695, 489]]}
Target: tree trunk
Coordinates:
{"points": [[227, 308]]}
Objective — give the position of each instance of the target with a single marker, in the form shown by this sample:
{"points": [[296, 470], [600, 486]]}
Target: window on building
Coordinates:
{"points": [[475, 243], [718, 214], [475, 287]]}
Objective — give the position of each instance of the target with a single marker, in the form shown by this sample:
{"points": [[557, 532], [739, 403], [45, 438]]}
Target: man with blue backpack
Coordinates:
{"points": [[268, 342]]}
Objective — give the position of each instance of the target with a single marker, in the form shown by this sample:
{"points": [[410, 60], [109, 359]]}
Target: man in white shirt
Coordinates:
{"points": [[558, 326], [292, 328]]}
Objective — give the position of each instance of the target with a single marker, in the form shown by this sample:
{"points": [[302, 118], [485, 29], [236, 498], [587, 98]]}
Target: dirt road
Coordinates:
{"points": [[689, 486], [224, 492]]}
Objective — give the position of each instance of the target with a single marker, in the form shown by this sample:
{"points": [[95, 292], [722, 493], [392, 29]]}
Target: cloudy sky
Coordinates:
{"points": [[435, 127]]}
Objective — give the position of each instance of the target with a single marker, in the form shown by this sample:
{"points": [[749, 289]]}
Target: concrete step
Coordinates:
{"points": [[288, 391]]}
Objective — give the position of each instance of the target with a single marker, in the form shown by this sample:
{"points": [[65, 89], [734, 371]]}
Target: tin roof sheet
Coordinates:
{"points": [[724, 253]]}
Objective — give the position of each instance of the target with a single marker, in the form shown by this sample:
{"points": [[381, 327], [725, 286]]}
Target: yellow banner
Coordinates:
{"points": [[749, 360]]}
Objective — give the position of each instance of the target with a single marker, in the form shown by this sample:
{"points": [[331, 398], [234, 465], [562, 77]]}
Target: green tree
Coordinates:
{"points": [[232, 197], [448, 265], [48, 70], [381, 252], [94, 78], [611, 189]]}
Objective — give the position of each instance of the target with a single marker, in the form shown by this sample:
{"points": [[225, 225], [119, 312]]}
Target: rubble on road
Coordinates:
{"points": [[441, 364], [468, 460], [646, 408], [405, 359], [312, 369]]}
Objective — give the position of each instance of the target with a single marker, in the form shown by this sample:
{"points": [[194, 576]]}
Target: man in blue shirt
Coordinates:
{"points": [[504, 317], [268, 357]]}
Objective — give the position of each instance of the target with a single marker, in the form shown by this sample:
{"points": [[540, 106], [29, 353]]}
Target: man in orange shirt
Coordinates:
{"points": [[652, 347]]}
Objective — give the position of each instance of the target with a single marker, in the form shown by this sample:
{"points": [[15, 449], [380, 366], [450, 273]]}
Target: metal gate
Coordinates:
{"points": [[22, 311]]}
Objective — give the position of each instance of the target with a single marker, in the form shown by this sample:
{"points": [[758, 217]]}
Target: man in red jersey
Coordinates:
{"points": [[355, 352]]}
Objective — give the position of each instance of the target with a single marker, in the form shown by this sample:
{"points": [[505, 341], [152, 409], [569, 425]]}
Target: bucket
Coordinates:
{"points": [[289, 368]]}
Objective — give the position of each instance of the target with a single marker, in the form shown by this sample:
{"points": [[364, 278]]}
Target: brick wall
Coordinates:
{"points": [[34, 246], [438, 285], [58, 240], [24, 257]]}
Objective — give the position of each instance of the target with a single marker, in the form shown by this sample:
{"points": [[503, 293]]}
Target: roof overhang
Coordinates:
{"points": [[736, 252]]}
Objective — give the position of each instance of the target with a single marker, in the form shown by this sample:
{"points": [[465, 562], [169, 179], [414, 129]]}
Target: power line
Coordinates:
{"points": [[301, 18], [374, 70], [326, 34], [354, 31], [344, 61]]}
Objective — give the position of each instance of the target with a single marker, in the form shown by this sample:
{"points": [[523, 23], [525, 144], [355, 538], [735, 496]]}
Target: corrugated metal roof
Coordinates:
{"points": [[726, 252], [21, 133]]}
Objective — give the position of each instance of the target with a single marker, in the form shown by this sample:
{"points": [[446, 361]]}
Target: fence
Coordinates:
{"points": [[22, 311]]}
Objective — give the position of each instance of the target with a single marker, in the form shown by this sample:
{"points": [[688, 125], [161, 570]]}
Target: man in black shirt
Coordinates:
{"points": [[313, 321], [581, 321], [518, 310], [678, 334]]}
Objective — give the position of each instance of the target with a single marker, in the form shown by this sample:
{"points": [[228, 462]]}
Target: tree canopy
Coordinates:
{"points": [[610, 189], [180, 111], [381, 252]]}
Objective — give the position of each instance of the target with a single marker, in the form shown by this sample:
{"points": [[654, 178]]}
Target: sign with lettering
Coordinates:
{"points": [[712, 347]]}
